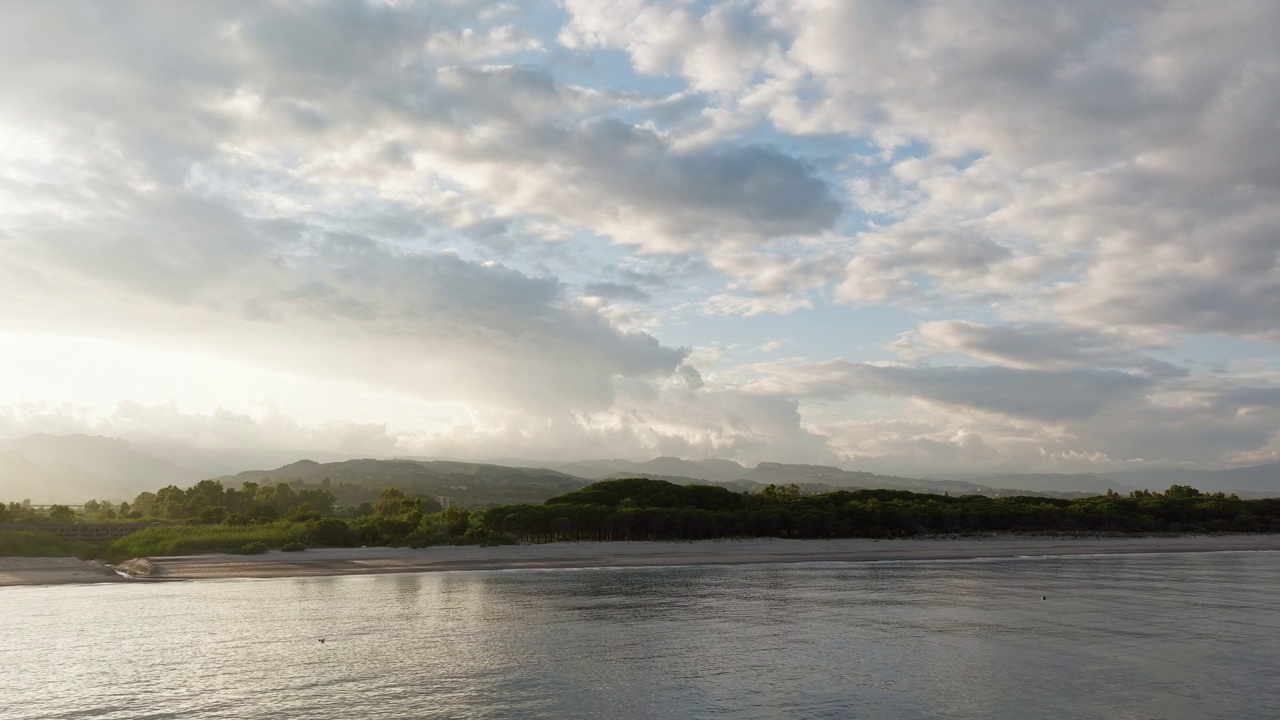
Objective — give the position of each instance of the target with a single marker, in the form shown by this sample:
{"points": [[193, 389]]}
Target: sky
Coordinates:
{"points": [[907, 237]]}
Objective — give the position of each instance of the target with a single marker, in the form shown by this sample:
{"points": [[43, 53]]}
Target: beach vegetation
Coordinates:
{"points": [[37, 543], [257, 547]]}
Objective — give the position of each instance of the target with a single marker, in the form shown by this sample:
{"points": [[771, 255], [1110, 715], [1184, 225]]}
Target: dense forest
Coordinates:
{"points": [[209, 517]]}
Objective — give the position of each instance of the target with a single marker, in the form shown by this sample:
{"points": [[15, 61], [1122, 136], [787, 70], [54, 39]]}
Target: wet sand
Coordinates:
{"points": [[363, 561], [53, 571], [367, 561]]}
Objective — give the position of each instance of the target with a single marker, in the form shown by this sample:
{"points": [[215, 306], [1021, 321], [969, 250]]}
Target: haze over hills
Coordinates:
{"points": [[1252, 479], [711, 470], [465, 483], [21, 479], [1058, 482], [212, 462], [74, 468]]}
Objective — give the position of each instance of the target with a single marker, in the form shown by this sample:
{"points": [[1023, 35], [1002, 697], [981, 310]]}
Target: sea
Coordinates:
{"points": [[1120, 636]]}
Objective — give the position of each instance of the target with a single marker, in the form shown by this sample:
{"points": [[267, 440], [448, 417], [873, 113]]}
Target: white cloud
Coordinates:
{"points": [[1038, 346], [461, 206]]}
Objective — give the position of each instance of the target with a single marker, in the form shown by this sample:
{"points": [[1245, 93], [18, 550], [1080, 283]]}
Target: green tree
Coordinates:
{"points": [[61, 514], [389, 503], [144, 503]]}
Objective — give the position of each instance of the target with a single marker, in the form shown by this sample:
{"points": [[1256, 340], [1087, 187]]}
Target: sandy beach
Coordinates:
{"points": [[364, 561], [641, 554]]}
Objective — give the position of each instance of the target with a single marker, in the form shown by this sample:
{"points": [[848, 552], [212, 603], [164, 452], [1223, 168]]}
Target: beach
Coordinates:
{"points": [[54, 571], [380, 560]]}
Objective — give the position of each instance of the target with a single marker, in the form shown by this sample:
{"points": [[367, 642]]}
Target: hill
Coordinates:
{"points": [[471, 484]]}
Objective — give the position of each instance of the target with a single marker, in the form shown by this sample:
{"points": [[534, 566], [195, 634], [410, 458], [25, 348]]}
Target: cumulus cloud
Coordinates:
{"points": [[1121, 153]]}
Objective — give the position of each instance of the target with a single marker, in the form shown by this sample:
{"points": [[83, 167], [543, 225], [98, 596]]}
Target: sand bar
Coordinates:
{"points": [[362, 561]]}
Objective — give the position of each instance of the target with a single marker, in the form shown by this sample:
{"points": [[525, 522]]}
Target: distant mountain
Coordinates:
{"points": [[466, 483], [711, 470], [75, 468], [1049, 482], [784, 474], [227, 461], [1255, 479], [810, 478], [21, 479]]}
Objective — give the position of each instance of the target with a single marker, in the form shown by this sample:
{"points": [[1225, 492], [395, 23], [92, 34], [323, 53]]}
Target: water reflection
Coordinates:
{"points": [[1187, 636]]}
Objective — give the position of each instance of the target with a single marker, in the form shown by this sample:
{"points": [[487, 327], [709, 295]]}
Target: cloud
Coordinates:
{"points": [[267, 428], [1037, 346], [615, 291], [672, 418], [1188, 421], [429, 324], [467, 204], [1099, 163], [1046, 395]]}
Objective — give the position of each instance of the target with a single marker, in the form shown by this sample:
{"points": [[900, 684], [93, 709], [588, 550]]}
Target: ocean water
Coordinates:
{"points": [[1141, 636]]}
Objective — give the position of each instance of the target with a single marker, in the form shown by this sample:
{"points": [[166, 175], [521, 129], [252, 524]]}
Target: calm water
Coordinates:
{"points": [[1155, 636]]}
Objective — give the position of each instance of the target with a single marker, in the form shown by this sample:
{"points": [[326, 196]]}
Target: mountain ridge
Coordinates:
{"points": [[74, 468]]}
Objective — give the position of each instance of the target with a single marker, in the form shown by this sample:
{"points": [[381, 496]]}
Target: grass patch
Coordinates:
{"points": [[37, 543]]}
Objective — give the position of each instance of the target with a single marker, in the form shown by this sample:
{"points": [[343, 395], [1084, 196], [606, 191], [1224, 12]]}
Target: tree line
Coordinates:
{"points": [[635, 509], [209, 516]]}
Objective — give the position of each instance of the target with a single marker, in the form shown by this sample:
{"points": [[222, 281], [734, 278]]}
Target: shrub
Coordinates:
{"points": [[330, 532], [256, 547], [294, 546]]}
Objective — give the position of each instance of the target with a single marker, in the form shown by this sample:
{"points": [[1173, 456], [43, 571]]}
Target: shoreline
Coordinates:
{"points": [[582, 555]]}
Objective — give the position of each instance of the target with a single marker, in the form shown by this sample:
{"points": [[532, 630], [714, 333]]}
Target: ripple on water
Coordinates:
{"points": [[1168, 636]]}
